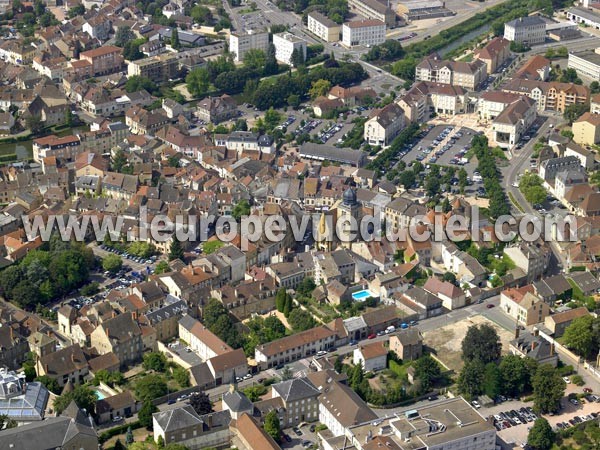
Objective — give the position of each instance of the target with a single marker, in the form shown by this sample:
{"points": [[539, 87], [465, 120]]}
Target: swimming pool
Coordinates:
{"points": [[362, 295], [99, 395]]}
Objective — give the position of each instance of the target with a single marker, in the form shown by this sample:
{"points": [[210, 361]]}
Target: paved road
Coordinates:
{"points": [[518, 164]]}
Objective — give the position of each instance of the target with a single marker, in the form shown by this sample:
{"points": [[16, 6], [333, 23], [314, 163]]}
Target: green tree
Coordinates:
{"points": [[516, 377], [150, 387], [83, 396], [294, 100], [575, 111], [319, 88], [271, 65], [77, 10], [541, 436], [137, 83], [289, 304], [145, 414], [175, 39], [272, 426], [297, 58], [201, 403], [482, 343], [129, 436], [123, 35], [579, 336], [181, 376], [35, 124], [255, 59], [427, 371], [462, 179], [531, 187], [176, 250], [548, 389], [212, 246], [156, 361], [161, 267], [470, 380], [301, 320], [280, 299], [112, 263], [306, 287], [201, 14], [50, 383], [198, 82], [272, 119], [594, 87], [241, 209], [492, 380], [287, 374], [119, 445]]}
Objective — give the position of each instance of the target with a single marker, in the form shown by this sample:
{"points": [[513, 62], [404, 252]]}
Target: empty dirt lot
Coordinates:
{"points": [[446, 341]]}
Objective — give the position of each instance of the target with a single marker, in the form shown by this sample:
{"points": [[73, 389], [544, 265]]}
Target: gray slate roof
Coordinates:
{"points": [[178, 418], [296, 389], [237, 401]]}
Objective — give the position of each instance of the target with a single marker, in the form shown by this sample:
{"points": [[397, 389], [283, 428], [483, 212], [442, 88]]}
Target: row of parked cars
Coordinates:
{"points": [[328, 134], [137, 259], [575, 421], [514, 417], [290, 120], [308, 126]]}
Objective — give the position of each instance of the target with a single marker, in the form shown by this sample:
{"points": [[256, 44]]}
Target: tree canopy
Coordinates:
{"points": [[548, 389], [482, 343], [83, 396], [541, 436]]}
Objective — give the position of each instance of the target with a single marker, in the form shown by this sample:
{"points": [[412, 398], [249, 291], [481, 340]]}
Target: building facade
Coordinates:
{"points": [[285, 45], [239, 44], [366, 33], [529, 30], [323, 27]]}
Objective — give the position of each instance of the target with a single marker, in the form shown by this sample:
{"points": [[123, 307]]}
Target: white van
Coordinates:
{"points": [[390, 329]]}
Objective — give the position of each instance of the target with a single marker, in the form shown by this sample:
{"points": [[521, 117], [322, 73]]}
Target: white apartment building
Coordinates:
{"points": [[374, 9], [201, 341], [457, 73], [514, 121], [323, 27], [239, 44], [285, 44], [528, 30], [366, 32], [586, 63], [384, 126]]}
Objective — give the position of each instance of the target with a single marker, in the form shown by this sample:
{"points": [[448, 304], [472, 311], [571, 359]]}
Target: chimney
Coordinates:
{"points": [[73, 357], [552, 349], [517, 330], [46, 368], [534, 344], [107, 332]]}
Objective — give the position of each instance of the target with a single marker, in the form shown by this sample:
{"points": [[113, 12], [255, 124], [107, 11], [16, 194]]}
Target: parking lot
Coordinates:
{"points": [[513, 418], [300, 437]]}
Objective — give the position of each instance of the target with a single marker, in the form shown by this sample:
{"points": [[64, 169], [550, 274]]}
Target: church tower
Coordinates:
{"points": [[349, 208]]}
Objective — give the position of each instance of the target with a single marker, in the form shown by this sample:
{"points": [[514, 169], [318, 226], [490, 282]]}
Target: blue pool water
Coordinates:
{"points": [[100, 395], [362, 295]]}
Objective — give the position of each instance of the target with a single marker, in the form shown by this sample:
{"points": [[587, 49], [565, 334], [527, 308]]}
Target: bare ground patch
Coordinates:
{"points": [[446, 341]]}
